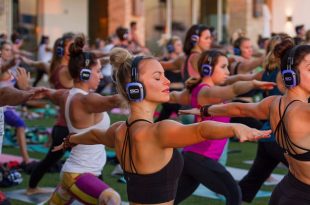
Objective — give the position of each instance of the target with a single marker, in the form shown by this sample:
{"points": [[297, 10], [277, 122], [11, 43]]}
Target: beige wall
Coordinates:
{"points": [[60, 16], [298, 9], [6, 17]]}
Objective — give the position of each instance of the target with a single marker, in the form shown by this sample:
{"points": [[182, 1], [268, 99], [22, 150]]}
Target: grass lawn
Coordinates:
{"points": [[246, 151]]}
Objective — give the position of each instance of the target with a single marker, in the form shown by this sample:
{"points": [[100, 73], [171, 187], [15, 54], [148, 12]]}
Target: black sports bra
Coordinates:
{"points": [[155, 188], [284, 140]]}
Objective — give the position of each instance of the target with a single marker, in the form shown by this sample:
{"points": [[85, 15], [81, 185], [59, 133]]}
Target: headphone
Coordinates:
{"points": [[195, 36], [135, 89], [170, 47], [85, 73], [237, 50], [289, 74], [60, 51], [206, 68]]}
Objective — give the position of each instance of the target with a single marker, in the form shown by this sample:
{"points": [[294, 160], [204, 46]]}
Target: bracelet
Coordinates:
{"points": [[67, 143], [204, 111]]}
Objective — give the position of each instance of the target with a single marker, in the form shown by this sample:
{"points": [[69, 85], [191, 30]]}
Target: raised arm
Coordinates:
{"points": [[96, 103], [173, 134], [230, 91], [91, 137], [13, 96], [248, 65], [180, 97], [175, 64]]}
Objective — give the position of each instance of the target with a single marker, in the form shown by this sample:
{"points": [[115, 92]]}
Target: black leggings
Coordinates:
{"points": [[51, 158], [268, 156], [200, 169], [166, 111], [290, 191]]}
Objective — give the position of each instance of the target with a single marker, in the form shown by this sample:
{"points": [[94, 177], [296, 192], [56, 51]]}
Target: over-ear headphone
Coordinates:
{"points": [[237, 50], [60, 50], [290, 74], [85, 73], [206, 68], [135, 89], [195, 36], [170, 46]]}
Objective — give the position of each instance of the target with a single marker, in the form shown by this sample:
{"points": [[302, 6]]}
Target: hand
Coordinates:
{"points": [[38, 93], [58, 148], [264, 85], [193, 111], [245, 133], [22, 78]]}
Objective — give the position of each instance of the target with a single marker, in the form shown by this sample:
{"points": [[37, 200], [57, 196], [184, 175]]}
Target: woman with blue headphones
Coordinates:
{"points": [[146, 149], [289, 120], [84, 110], [201, 161]]}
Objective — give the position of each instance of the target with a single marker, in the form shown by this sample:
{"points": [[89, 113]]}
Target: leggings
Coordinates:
{"points": [[51, 158], [290, 191], [200, 169], [268, 156], [84, 187]]}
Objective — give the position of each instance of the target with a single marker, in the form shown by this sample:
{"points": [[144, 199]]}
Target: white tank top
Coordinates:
{"points": [[85, 158]]}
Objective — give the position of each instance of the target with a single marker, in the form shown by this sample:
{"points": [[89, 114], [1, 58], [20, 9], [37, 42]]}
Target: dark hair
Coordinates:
{"points": [[191, 83], [2, 43], [196, 29], [16, 37], [44, 39], [283, 49], [133, 23], [239, 41], [56, 59], [122, 33], [77, 57], [298, 28]]}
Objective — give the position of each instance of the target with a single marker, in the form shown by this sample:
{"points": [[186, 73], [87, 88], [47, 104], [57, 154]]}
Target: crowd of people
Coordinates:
{"points": [[217, 91]]}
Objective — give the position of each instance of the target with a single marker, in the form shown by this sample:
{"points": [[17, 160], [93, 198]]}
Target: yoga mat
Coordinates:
{"points": [[205, 192], [20, 195], [8, 157]]}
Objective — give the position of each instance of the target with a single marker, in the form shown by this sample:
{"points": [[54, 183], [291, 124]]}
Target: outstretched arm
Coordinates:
{"points": [[96, 103], [173, 134], [94, 136]]}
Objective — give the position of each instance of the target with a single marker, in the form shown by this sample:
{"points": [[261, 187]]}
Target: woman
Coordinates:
{"points": [[145, 149], [84, 110], [60, 79], [289, 120], [201, 160]]}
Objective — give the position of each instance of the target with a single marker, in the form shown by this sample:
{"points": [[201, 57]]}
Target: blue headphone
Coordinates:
{"points": [[195, 36], [135, 89], [289, 74], [206, 68], [170, 47], [85, 73], [60, 51]]}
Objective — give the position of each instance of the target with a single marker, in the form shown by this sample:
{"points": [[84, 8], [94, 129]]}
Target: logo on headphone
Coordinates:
{"points": [[85, 73], [135, 89], [289, 74]]}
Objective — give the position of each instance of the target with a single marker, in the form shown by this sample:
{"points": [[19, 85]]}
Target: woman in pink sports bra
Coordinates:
{"points": [[201, 160]]}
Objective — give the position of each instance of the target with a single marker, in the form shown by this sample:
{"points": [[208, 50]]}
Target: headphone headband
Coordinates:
{"points": [[134, 68], [290, 58]]}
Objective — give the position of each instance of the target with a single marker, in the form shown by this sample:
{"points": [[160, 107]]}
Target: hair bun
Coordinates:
{"points": [[282, 48], [76, 47], [119, 56]]}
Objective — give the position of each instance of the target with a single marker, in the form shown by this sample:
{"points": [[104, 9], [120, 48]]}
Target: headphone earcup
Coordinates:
{"points": [[85, 74], [206, 70], [290, 78], [237, 51], [170, 48], [60, 51], [135, 91], [194, 38]]}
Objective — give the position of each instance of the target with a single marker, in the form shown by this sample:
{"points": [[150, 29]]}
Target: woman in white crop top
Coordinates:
{"points": [[84, 110]]}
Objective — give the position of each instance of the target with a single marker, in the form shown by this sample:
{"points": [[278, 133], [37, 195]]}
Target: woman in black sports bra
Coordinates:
{"points": [[145, 149], [289, 117]]}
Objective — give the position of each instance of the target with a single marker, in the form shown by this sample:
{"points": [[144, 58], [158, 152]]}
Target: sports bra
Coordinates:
{"points": [[284, 139], [155, 188]]}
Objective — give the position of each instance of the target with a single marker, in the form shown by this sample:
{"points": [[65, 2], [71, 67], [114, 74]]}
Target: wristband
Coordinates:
{"points": [[67, 143], [204, 111]]}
